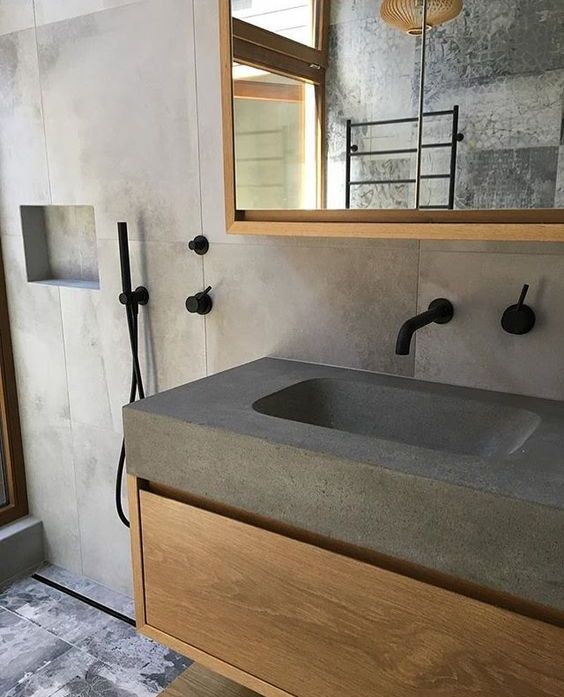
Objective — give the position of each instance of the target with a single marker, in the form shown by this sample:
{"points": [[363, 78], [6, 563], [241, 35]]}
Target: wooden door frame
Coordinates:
{"points": [[12, 451]]}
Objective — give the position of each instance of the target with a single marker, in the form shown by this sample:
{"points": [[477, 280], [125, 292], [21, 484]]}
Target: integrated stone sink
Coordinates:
{"points": [[465, 482], [452, 424]]}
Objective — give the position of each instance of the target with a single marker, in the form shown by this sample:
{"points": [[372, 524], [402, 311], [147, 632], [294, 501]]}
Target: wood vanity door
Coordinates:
{"points": [[307, 622]]}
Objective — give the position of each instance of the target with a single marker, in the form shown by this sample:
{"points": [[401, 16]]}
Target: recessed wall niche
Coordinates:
{"points": [[60, 245]]}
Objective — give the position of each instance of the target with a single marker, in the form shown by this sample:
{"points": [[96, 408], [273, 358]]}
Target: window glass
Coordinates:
{"points": [[275, 140], [290, 18]]}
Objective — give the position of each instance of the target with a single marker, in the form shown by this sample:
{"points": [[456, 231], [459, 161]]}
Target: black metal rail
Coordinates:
{"points": [[352, 151]]}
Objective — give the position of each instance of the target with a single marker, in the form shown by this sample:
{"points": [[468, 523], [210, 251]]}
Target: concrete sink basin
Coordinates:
{"points": [[462, 481], [442, 422]]}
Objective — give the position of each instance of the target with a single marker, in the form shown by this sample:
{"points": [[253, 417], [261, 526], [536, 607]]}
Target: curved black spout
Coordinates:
{"points": [[440, 311]]}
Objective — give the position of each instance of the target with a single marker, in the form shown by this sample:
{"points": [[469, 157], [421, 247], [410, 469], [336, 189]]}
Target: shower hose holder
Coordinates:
{"points": [[131, 299], [139, 296]]}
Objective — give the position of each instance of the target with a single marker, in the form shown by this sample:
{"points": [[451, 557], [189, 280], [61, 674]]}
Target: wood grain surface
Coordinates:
{"points": [[316, 624], [197, 681]]}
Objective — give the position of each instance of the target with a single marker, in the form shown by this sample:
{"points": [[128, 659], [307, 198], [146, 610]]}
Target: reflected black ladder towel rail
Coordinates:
{"points": [[352, 151]]}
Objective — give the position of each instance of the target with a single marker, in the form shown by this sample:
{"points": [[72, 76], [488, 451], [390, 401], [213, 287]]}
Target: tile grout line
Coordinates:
{"points": [[81, 561], [79, 529], [42, 103], [417, 293], [39, 626], [200, 178]]}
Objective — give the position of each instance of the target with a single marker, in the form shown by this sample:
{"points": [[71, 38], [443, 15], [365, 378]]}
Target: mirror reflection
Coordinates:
{"points": [[310, 77], [502, 62], [327, 95]]}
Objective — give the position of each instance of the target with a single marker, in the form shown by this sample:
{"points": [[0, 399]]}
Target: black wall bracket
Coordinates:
{"points": [[199, 245]]}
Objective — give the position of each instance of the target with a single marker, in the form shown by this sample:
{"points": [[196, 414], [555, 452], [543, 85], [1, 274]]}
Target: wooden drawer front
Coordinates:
{"points": [[317, 624]]}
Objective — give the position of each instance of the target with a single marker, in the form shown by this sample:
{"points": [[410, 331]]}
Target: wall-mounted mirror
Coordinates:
{"points": [[342, 111], [326, 99]]}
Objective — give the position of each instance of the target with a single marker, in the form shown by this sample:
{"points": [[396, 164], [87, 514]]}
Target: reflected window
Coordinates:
{"points": [[293, 19], [279, 93], [275, 140]]}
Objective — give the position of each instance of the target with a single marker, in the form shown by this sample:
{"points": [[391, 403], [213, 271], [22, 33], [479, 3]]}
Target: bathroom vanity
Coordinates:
{"points": [[313, 531]]}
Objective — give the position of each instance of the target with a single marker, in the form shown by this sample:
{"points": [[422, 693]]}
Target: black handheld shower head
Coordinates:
{"points": [[131, 300], [140, 296], [123, 241]]}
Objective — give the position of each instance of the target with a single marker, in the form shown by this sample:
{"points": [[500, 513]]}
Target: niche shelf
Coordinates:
{"points": [[60, 245]]}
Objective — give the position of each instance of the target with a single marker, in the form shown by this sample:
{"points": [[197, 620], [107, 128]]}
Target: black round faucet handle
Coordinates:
{"points": [[199, 244], [444, 308], [200, 303], [520, 318]]}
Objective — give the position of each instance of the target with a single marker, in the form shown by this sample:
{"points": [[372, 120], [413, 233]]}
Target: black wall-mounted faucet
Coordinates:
{"points": [[440, 311]]}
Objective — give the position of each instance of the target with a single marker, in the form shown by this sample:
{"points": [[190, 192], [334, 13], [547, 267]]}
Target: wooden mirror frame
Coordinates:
{"points": [[496, 225]]}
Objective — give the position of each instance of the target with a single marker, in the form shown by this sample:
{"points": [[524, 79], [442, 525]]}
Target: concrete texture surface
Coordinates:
{"points": [[21, 547], [497, 520]]}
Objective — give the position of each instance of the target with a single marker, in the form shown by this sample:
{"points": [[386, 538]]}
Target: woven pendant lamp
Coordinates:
{"points": [[407, 15]]}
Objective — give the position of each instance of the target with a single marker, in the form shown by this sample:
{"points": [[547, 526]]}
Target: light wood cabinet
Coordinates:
{"points": [[283, 617]]}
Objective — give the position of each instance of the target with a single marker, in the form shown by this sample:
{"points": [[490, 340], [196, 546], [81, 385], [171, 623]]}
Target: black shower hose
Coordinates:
{"points": [[137, 389]]}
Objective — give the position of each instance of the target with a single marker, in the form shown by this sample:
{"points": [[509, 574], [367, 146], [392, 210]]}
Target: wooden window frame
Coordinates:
{"points": [[536, 225], [16, 506], [280, 55]]}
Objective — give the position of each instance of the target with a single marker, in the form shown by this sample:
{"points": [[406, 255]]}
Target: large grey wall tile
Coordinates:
{"points": [[16, 15], [23, 165], [497, 179], [503, 37], [39, 358], [104, 539], [120, 116], [492, 246], [372, 75], [559, 198], [171, 342], [316, 303], [89, 392], [51, 489], [210, 133], [57, 10], [351, 10], [473, 349], [37, 337], [521, 111]]}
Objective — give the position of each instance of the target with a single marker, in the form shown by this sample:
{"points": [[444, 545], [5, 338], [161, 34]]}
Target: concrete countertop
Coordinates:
{"points": [[497, 520]]}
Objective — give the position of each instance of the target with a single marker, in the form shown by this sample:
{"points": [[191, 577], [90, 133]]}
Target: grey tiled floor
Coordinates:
{"points": [[52, 645]]}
